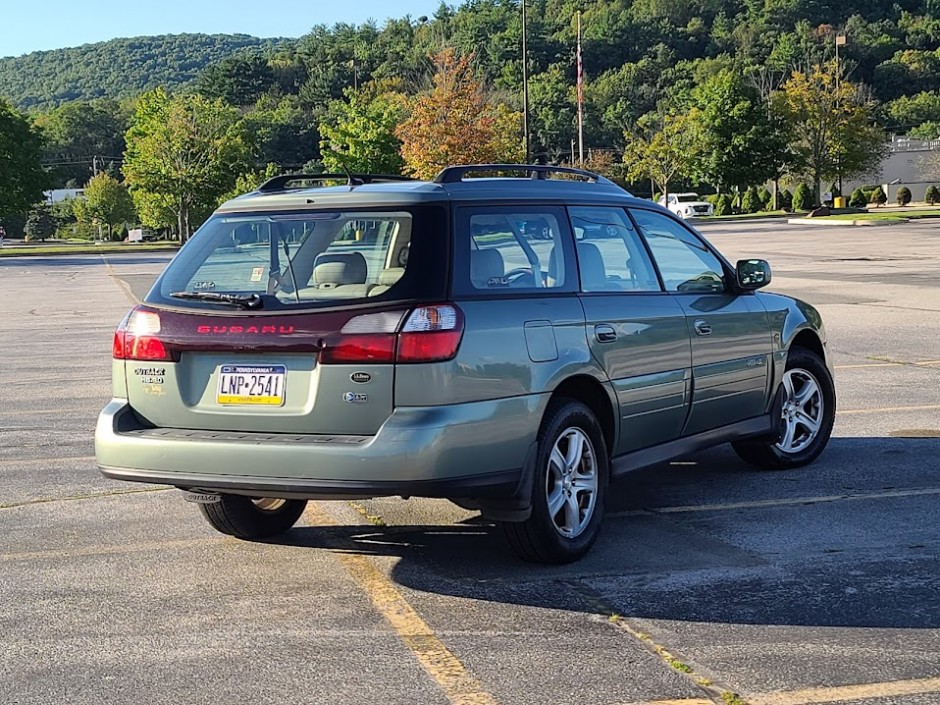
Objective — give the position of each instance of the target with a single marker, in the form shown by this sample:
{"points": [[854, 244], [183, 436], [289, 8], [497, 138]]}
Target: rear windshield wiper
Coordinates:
{"points": [[240, 300]]}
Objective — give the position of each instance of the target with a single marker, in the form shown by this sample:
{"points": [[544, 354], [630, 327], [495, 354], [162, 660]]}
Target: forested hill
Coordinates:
{"points": [[116, 69]]}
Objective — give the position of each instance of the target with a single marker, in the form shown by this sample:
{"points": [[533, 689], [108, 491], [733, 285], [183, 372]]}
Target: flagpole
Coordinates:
{"points": [[580, 98], [525, 85]]}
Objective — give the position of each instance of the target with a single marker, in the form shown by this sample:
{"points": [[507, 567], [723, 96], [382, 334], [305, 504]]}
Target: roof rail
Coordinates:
{"points": [[281, 183], [455, 174]]}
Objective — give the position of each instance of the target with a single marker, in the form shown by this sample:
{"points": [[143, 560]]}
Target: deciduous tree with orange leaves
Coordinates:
{"points": [[456, 123]]}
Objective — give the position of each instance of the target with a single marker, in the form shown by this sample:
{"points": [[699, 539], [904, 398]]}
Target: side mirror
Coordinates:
{"points": [[753, 274]]}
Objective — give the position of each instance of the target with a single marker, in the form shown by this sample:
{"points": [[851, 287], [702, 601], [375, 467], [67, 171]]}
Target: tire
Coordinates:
{"points": [[247, 518], [796, 444], [577, 490]]}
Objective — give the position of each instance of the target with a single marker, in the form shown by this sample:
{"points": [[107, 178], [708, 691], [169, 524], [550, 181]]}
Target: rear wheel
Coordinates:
{"points": [[568, 490], [253, 518], [806, 407]]}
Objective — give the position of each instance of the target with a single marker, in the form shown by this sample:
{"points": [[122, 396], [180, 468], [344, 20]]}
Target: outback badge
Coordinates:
{"points": [[355, 398], [360, 377]]}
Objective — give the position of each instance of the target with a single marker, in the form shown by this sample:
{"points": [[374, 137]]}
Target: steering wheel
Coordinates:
{"points": [[519, 274]]}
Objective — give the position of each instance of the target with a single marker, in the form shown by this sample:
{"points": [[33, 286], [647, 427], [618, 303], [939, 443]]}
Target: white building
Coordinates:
{"points": [[911, 163]]}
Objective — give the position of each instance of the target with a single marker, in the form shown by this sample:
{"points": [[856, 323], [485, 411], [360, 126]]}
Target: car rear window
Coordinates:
{"points": [[310, 259]]}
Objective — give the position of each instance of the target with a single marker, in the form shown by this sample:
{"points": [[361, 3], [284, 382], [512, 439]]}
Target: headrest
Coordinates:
{"points": [[484, 265], [593, 272], [338, 268], [388, 277]]}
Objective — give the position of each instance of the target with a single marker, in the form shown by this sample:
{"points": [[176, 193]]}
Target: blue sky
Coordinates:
{"points": [[51, 24]]}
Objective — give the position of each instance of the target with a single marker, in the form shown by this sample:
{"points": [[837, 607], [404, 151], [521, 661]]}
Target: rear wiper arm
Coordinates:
{"points": [[240, 300]]}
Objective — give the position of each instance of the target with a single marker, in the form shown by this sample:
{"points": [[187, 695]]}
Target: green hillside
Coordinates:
{"points": [[116, 69]]}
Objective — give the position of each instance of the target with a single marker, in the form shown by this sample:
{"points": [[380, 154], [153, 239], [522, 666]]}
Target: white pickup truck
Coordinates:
{"points": [[687, 205]]}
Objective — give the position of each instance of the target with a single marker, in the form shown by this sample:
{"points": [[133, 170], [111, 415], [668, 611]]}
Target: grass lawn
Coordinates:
{"points": [[889, 216], [86, 249]]}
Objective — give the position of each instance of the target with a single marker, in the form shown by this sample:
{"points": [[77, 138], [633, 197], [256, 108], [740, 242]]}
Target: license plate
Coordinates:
{"points": [[251, 385]]}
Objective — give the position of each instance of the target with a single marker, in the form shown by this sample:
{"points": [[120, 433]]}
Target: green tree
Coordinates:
{"points": [[723, 205], [803, 198], [456, 123], [660, 149], [183, 153], [40, 224], [831, 125], [82, 136], [738, 141], [750, 202], [250, 181], [878, 196], [238, 80], [904, 196], [858, 199], [359, 132], [22, 178], [785, 199], [933, 195], [107, 202]]}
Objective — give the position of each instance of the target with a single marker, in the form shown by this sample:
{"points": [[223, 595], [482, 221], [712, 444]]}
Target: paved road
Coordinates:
{"points": [[821, 585]]}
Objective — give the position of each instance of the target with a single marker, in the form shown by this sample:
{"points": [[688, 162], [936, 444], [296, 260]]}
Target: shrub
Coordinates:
{"points": [[933, 195], [723, 206], [657, 196], [803, 198], [904, 196], [859, 199], [878, 196], [736, 203], [712, 198], [750, 203], [766, 199], [834, 189], [785, 200]]}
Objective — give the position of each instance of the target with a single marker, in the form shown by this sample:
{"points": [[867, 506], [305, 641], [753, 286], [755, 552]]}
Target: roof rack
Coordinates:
{"points": [[282, 182], [455, 174]]}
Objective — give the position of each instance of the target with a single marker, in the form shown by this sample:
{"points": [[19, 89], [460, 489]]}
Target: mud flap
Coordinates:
{"points": [[518, 507]]}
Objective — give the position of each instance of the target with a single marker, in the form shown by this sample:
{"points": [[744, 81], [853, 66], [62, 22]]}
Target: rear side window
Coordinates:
{"points": [[309, 259], [611, 255], [515, 250]]}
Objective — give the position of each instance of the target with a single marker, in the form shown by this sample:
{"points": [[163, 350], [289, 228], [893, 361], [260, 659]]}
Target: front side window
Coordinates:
{"points": [[296, 259], [512, 250], [611, 256], [685, 263]]}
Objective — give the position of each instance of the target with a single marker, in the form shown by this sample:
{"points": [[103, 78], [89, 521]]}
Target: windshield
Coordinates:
{"points": [[295, 259], [687, 197]]}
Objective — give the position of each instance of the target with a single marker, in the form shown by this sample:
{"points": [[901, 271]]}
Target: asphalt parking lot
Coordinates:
{"points": [[814, 586]]}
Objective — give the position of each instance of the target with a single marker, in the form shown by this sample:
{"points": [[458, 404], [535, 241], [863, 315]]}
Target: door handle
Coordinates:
{"points": [[605, 333], [702, 327]]}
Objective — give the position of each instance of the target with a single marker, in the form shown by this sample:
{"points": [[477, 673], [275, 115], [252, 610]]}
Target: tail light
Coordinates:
{"points": [[428, 334], [137, 337]]}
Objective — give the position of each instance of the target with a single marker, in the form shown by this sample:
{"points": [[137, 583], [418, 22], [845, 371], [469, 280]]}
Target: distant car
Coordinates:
{"points": [[687, 205]]}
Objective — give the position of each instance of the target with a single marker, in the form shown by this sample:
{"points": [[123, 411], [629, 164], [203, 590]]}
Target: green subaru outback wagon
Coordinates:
{"points": [[512, 338]]}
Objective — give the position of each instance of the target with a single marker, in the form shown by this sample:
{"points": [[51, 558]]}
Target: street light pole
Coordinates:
{"points": [[525, 84], [840, 41]]}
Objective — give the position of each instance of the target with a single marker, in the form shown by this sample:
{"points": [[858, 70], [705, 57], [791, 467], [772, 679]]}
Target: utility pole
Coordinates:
{"points": [[580, 99], [525, 84], [841, 40]]}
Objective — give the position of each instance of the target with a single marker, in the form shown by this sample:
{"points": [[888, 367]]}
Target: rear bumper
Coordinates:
{"points": [[473, 450]]}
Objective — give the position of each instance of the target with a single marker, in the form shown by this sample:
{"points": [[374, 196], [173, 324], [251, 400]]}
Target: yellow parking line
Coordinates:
{"points": [[886, 409], [870, 364], [811, 696], [438, 661], [47, 461]]}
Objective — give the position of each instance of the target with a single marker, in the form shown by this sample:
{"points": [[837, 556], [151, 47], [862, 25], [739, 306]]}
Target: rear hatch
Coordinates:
{"points": [[285, 323]]}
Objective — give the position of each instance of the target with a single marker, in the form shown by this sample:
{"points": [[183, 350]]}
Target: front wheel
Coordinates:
{"points": [[253, 518], [806, 409], [568, 489]]}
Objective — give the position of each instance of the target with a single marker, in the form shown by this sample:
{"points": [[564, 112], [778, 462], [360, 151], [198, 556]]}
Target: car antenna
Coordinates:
{"points": [[352, 181]]}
